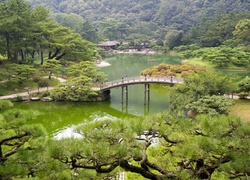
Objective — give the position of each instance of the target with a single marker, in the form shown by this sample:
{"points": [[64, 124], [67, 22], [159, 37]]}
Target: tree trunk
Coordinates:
{"points": [[49, 55], [55, 53], [42, 57], [33, 54], [50, 75], [60, 56], [15, 58], [8, 47], [22, 55], [146, 174]]}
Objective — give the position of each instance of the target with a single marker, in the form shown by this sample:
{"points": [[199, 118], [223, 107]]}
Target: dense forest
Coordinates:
{"points": [[171, 13], [151, 18]]}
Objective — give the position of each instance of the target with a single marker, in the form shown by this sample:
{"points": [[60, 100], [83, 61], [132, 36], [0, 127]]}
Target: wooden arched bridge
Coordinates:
{"points": [[146, 80]]}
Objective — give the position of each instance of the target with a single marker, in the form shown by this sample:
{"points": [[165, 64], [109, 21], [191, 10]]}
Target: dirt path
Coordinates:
{"points": [[25, 94]]}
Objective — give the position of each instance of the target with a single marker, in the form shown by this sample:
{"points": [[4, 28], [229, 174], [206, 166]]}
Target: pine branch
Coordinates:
{"points": [[14, 137]]}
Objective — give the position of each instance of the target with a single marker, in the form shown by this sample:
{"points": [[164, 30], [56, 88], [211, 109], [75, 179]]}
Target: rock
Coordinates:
{"points": [[99, 99], [192, 114], [35, 99], [25, 98], [46, 99]]}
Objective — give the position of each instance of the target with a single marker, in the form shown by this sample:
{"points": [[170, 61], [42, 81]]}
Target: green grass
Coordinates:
{"points": [[199, 61], [241, 109]]}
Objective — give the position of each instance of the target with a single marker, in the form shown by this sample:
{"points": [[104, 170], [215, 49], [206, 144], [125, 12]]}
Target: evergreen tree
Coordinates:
{"points": [[21, 143]]}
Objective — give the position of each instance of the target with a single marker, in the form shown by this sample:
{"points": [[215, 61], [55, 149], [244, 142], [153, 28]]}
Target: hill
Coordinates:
{"points": [[177, 14]]}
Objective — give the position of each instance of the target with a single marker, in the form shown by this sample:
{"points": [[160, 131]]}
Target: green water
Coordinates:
{"points": [[61, 118]]}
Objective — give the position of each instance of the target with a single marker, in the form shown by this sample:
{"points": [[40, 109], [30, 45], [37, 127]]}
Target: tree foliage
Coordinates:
{"points": [[207, 147], [51, 67], [208, 83], [84, 75], [201, 87], [152, 18], [88, 69], [222, 56], [25, 32], [19, 72], [177, 14], [173, 38], [212, 105], [15, 25], [242, 30], [76, 89], [21, 143], [213, 32], [171, 70], [244, 87]]}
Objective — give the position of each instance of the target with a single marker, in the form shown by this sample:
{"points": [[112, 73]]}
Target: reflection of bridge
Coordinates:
{"points": [[146, 80]]}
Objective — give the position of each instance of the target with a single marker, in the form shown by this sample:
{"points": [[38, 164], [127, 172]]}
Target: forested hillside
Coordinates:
{"points": [[179, 14]]}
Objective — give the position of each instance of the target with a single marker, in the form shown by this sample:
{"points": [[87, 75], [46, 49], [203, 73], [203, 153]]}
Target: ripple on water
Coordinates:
{"points": [[71, 131]]}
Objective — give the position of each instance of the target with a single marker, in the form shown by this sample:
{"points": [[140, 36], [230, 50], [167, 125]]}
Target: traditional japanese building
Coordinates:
{"points": [[109, 45]]}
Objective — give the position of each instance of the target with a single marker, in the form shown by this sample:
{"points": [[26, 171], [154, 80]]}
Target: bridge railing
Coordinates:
{"points": [[138, 79]]}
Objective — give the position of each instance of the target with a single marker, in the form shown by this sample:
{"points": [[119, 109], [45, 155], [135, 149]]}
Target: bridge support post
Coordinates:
{"points": [[146, 93], [126, 93]]}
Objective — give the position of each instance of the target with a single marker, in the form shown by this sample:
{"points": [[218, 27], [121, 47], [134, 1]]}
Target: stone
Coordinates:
{"points": [[46, 99], [35, 99]]}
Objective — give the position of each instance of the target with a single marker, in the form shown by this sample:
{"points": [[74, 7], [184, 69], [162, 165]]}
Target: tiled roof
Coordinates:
{"points": [[108, 43]]}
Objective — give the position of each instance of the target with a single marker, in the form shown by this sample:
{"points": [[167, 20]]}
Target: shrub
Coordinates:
{"points": [[36, 79], [43, 83]]}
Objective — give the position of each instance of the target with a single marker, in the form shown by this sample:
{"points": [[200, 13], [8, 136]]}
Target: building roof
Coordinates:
{"points": [[108, 43]]}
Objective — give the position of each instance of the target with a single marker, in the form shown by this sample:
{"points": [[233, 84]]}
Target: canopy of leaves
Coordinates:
{"points": [[51, 67], [213, 32], [173, 38], [207, 147], [222, 56], [20, 142], [242, 30], [244, 87], [88, 69], [25, 32], [171, 70], [19, 72], [76, 89], [212, 105], [197, 89], [84, 75], [177, 14], [113, 20]]}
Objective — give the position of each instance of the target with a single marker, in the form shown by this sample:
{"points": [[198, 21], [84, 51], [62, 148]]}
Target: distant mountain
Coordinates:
{"points": [[179, 14]]}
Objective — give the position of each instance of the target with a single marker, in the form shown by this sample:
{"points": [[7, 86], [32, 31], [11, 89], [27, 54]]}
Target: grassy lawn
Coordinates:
{"points": [[199, 61], [241, 108]]}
